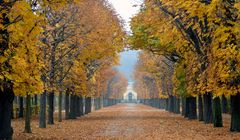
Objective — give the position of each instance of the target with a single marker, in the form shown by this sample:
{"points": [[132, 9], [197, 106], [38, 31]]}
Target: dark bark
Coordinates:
{"points": [[78, 114], [207, 111], [6, 105], [187, 104], [6, 90], [200, 108], [192, 108], [217, 112], [12, 112], [72, 113], [183, 99], [81, 105], [101, 102], [164, 103], [176, 105], [60, 107], [42, 117], [171, 103], [67, 104], [95, 103], [20, 114], [105, 102], [28, 115], [36, 103], [235, 113], [35, 99], [87, 105], [51, 108], [224, 104], [167, 104]]}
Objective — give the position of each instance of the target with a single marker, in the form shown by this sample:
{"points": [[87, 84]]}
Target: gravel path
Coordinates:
{"points": [[128, 121]]}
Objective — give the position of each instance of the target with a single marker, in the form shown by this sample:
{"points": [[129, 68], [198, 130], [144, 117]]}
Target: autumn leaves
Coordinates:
{"points": [[201, 39], [51, 47]]}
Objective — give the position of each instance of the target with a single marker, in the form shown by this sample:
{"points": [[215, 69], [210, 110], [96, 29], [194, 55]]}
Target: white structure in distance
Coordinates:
{"points": [[130, 90]]}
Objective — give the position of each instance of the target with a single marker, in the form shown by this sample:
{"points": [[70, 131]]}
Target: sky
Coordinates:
{"points": [[127, 9]]}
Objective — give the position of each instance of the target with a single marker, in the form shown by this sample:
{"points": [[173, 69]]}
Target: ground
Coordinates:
{"points": [[128, 121]]}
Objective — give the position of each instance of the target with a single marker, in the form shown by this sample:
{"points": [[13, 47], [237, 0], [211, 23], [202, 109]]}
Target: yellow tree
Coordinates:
{"points": [[204, 30], [20, 23]]}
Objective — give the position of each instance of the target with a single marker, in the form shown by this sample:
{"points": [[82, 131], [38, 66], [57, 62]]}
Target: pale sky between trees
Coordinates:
{"points": [[126, 9]]}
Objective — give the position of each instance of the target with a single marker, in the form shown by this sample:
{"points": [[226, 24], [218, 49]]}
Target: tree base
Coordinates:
{"points": [[235, 116]]}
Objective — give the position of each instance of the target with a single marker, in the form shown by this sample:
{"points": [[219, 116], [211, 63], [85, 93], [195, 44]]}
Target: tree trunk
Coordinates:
{"points": [[207, 111], [78, 114], [28, 115], [217, 112], [177, 105], [87, 105], [171, 104], [183, 106], [51, 108], [95, 103], [60, 107], [224, 104], [167, 104], [20, 114], [72, 113], [81, 105], [6, 105], [101, 102], [187, 104], [90, 105], [6, 90], [235, 113], [67, 104], [42, 117], [192, 108], [200, 108], [36, 103]]}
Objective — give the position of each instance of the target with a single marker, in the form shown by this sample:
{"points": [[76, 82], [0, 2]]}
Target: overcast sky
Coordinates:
{"points": [[126, 9]]}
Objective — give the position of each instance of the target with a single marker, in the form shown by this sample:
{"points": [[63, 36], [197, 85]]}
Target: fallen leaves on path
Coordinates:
{"points": [[127, 121]]}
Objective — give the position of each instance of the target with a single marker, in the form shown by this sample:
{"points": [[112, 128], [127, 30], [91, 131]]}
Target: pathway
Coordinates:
{"points": [[128, 121]]}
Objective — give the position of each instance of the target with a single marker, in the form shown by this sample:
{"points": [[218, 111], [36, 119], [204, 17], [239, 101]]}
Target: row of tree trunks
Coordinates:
{"points": [[18, 112], [209, 109], [105, 102], [155, 102], [97, 103], [74, 106]]}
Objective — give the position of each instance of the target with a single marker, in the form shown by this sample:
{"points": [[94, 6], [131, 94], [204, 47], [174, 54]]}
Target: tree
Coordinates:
{"points": [[196, 35]]}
